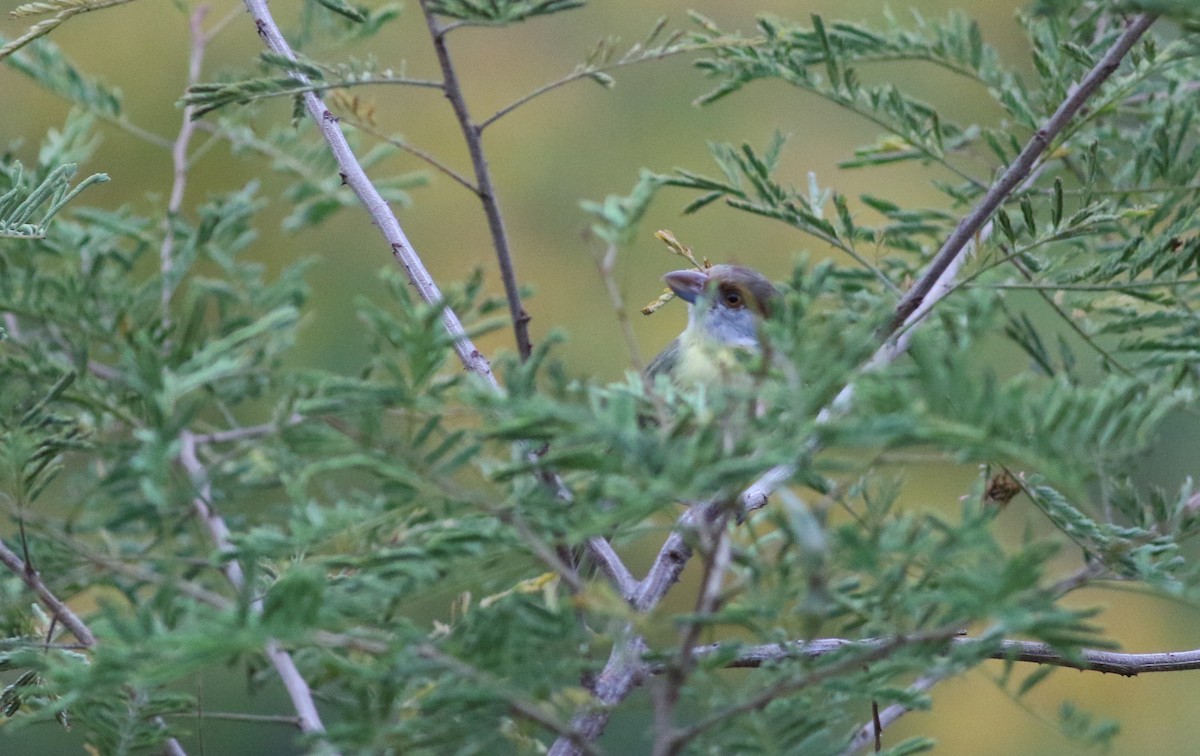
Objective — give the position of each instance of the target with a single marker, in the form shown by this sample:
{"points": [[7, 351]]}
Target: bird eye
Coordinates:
{"points": [[732, 298]]}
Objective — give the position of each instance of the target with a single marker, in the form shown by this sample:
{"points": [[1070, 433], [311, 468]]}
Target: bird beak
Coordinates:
{"points": [[687, 284]]}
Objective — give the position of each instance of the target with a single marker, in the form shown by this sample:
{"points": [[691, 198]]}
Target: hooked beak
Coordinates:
{"points": [[687, 284]]}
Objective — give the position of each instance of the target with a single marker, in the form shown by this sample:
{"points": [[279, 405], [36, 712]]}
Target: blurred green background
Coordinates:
{"points": [[585, 142]]}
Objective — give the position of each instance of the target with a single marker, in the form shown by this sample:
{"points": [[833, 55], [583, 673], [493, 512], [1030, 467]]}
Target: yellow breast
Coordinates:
{"points": [[704, 362]]}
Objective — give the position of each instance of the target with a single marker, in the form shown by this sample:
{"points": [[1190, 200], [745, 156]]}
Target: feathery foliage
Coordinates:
{"points": [[421, 545]]}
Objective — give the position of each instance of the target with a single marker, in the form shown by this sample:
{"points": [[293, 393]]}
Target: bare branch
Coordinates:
{"points": [[601, 552], [472, 135], [1034, 652], [623, 671], [871, 652], [57, 608], [179, 161], [354, 176], [624, 668], [956, 243], [1085, 660]]}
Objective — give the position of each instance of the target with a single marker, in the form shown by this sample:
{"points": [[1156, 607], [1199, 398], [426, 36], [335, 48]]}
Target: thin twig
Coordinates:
{"points": [[63, 615], [1073, 323], [872, 731], [143, 574], [1020, 167], [472, 135], [605, 265], [297, 688], [233, 716], [589, 71], [293, 89], [41, 645], [179, 162], [246, 432], [57, 608], [1118, 287], [415, 151]]}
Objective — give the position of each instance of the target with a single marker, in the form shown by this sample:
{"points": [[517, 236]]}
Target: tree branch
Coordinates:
{"points": [[179, 161], [624, 668], [1034, 652], [1020, 168], [871, 652], [297, 688], [57, 608], [63, 614], [938, 279], [716, 543], [356, 178], [472, 135], [601, 552]]}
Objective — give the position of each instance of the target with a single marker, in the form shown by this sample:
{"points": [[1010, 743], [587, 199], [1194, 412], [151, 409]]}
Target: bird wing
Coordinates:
{"points": [[665, 362]]}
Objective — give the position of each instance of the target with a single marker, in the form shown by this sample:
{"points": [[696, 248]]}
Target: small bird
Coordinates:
{"points": [[725, 305]]}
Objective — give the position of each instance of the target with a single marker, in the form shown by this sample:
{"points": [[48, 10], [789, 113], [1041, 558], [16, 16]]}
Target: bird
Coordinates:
{"points": [[725, 306]]}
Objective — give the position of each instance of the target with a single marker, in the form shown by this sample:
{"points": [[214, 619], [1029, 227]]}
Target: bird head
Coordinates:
{"points": [[725, 305]]}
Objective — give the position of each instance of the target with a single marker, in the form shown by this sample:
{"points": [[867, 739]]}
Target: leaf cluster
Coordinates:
{"points": [[411, 535]]}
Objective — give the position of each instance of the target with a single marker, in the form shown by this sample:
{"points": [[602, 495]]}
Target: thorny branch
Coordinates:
{"points": [[57, 607], [356, 178]]}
